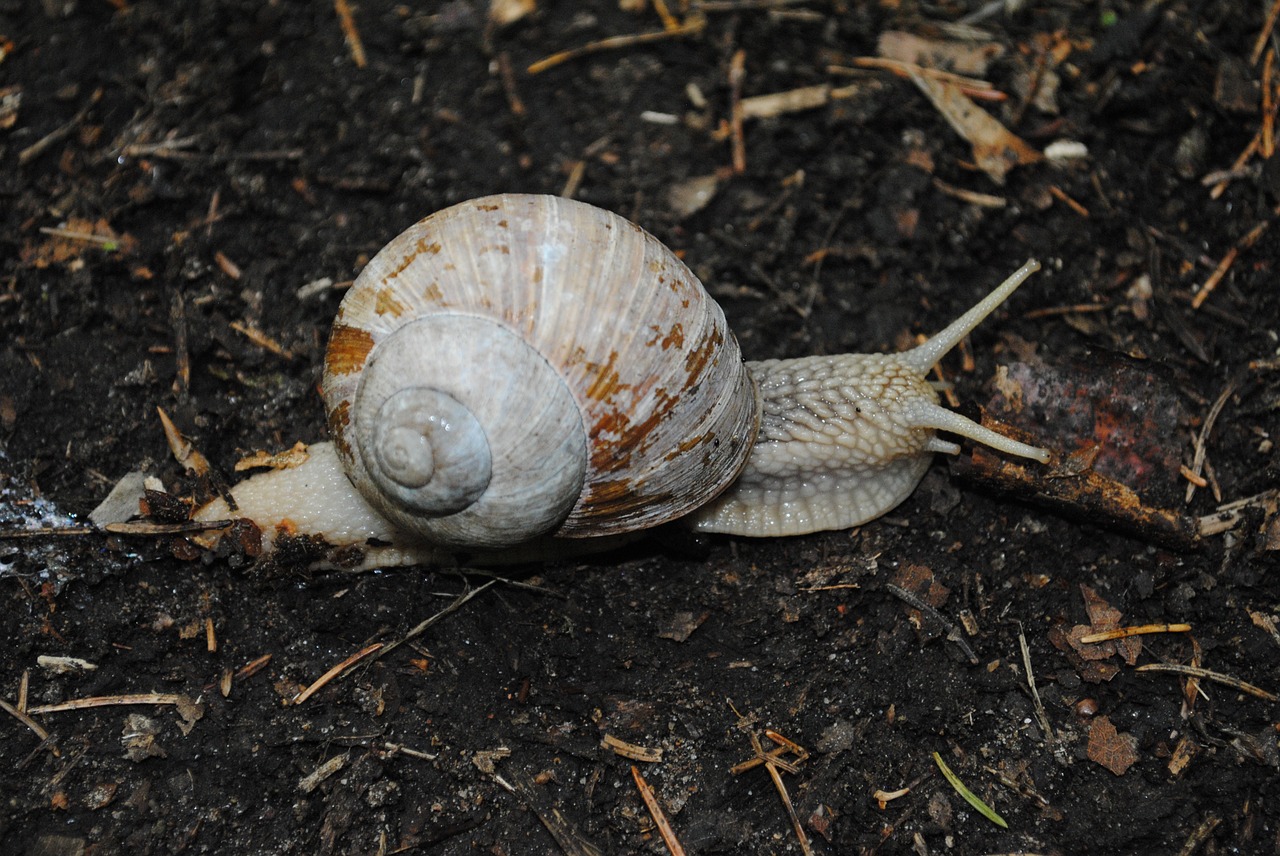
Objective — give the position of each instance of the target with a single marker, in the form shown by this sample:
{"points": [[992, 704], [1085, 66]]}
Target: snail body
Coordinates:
{"points": [[519, 368]]}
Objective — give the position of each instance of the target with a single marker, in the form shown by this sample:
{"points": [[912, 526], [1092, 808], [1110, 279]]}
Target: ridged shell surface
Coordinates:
{"points": [[666, 407]]}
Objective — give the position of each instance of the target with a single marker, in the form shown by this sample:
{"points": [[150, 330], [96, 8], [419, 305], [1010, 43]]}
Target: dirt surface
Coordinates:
{"points": [[226, 155]]}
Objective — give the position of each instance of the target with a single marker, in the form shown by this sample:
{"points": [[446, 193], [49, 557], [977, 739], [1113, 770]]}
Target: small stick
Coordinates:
{"points": [[252, 668], [1061, 195], [574, 181], [107, 242], [655, 811], [972, 86], [1237, 167], [1201, 833], [688, 28], [737, 72], [631, 750], [182, 354], [1268, 106], [334, 672], [164, 148], [401, 749], [417, 631], [1251, 237], [350, 32], [791, 809], [773, 761], [1217, 677], [43, 531], [261, 339], [148, 529], [1041, 714], [1135, 630], [39, 147], [973, 197], [953, 633], [669, 21], [24, 719], [1265, 32], [180, 447], [508, 77], [1192, 476], [1197, 461], [110, 701]]}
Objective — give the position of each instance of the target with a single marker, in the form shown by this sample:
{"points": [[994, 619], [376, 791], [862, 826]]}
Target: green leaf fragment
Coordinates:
{"points": [[969, 796]]}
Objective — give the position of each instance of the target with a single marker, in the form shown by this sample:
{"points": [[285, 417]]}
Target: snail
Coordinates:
{"points": [[522, 370]]}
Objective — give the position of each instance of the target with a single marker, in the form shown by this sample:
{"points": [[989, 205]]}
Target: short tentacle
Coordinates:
{"points": [[925, 415]]}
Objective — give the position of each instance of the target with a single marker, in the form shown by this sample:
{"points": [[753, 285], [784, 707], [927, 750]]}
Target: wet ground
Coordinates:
{"points": [[185, 191]]}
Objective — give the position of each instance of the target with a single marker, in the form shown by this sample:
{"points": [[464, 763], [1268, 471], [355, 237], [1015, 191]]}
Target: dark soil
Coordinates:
{"points": [[242, 133]]}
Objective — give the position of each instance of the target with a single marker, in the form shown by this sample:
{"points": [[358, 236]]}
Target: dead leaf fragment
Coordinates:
{"points": [[68, 243], [10, 101], [139, 738], [1103, 617], [682, 625], [996, 149], [294, 457], [1108, 747]]}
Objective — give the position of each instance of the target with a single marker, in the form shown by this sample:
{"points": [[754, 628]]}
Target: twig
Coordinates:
{"points": [[183, 452], [566, 834], [1265, 32], [631, 750], [156, 530], [1041, 715], [774, 761], [417, 631], [334, 672], [110, 701], [953, 633], [1061, 195], [655, 811], [107, 242], [1220, 179], [168, 147], [39, 147], [1136, 630], [737, 73], [43, 531], [1269, 104], [1199, 835], [261, 339], [350, 32], [690, 27], [508, 77], [1251, 237], [1197, 461], [1217, 677], [972, 86], [25, 720]]}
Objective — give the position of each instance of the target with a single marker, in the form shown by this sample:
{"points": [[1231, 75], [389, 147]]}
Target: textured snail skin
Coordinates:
{"points": [[844, 439], [841, 439]]}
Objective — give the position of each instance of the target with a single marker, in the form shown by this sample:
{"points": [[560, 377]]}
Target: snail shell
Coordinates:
{"points": [[521, 365]]}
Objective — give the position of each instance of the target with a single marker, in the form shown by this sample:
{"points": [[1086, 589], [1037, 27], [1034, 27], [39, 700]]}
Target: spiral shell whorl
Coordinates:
{"points": [[593, 360], [449, 458]]}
